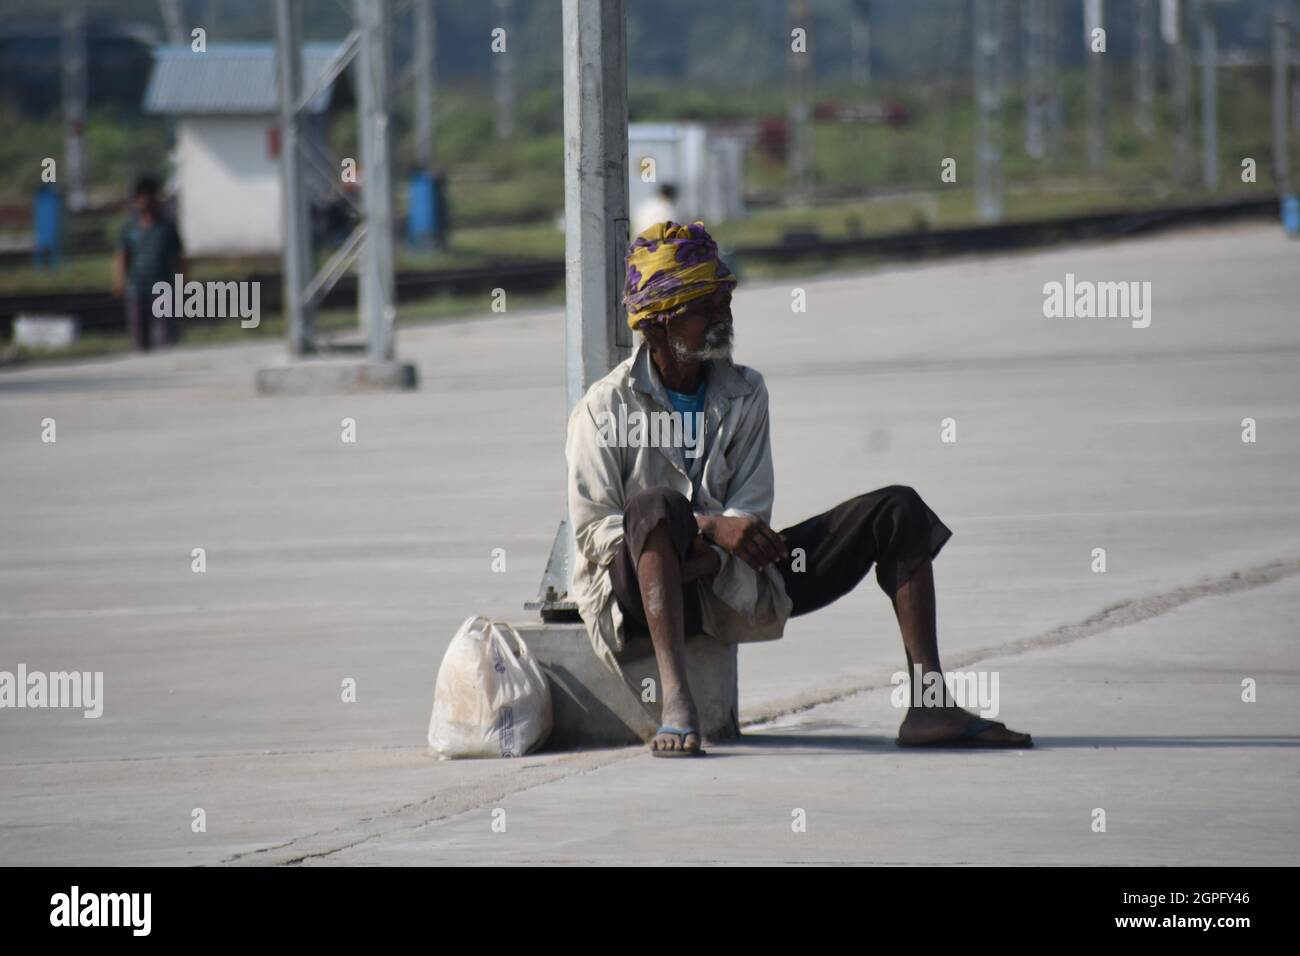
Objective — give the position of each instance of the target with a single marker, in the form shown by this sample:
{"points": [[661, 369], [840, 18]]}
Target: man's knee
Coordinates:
{"points": [[660, 503], [909, 511]]}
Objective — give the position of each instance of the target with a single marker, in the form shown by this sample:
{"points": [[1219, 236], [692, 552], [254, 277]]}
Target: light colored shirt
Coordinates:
{"points": [[734, 477]]}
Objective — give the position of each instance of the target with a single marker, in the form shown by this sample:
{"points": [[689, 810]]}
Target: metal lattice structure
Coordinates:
{"points": [[1144, 68], [1094, 19], [1282, 24], [369, 246], [987, 34], [73, 62]]}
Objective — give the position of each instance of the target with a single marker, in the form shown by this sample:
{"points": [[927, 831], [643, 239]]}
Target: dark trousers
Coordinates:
{"points": [[138, 322], [147, 330], [830, 553]]}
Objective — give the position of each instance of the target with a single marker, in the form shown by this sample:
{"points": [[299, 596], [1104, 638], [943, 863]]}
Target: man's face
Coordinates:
{"points": [[703, 331]]}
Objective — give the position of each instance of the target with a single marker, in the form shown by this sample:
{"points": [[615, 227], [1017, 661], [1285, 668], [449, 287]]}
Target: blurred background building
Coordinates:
{"points": [[824, 120], [225, 162]]}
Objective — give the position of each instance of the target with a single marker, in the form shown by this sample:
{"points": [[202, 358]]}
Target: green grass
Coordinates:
{"points": [[523, 178], [949, 206], [333, 321], [344, 321], [94, 273], [117, 146], [505, 197]]}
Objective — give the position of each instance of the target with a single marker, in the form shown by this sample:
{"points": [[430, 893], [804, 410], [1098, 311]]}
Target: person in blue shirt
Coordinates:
{"points": [[149, 250]]}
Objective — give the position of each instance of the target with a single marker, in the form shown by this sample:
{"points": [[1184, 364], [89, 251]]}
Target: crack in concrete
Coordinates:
{"points": [[469, 796], [213, 755], [1123, 614], [460, 799]]}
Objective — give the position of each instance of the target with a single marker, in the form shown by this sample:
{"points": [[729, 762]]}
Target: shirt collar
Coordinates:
{"points": [[722, 380]]}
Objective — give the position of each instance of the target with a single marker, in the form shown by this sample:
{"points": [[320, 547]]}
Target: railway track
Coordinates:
{"points": [[102, 312]]}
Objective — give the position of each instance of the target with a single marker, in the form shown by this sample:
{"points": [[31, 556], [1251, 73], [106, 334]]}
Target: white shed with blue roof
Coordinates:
{"points": [[227, 143]]}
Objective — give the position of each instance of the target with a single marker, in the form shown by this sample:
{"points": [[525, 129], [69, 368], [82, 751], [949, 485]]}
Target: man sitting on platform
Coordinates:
{"points": [[672, 524]]}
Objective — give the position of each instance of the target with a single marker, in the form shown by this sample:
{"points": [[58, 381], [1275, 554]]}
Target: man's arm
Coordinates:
{"points": [[702, 562], [119, 273], [120, 263], [596, 500], [742, 528]]}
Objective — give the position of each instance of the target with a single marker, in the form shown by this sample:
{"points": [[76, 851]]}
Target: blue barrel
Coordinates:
{"points": [[1291, 214], [424, 220], [47, 218]]}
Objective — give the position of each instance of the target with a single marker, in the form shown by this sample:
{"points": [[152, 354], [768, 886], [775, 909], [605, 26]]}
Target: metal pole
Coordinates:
{"points": [[1175, 26], [1007, 59], [1144, 70], [860, 43], [503, 73], [988, 110], [1035, 12], [299, 320], [1209, 100], [1055, 60], [596, 336], [379, 315], [1094, 19], [595, 190], [1281, 59], [425, 100], [73, 49], [859, 59], [799, 106], [171, 14]]}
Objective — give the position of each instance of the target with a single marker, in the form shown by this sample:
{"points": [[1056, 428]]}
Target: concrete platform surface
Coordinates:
{"points": [[333, 564]]}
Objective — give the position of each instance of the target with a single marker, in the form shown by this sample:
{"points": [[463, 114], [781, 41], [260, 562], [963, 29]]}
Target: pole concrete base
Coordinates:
{"points": [[594, 707], [335, 377]]}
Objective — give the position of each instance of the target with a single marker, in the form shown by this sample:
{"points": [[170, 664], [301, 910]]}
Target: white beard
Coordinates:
{"points": [[711, 350]]}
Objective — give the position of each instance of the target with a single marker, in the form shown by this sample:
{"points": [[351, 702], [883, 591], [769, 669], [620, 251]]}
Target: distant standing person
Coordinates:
{"points": [[148, 251], [661, 207]]}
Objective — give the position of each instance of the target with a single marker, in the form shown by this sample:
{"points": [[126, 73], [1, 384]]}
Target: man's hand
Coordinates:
{"points": [[746, 537], [702, 562]]}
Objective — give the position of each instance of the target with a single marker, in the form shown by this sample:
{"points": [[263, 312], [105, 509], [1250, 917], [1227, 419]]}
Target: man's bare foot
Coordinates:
{"points": [[954, 727], [679, 713]]}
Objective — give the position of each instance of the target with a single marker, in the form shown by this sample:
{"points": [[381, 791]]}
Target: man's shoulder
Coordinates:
{"points": [[753, 380], [751, 375], [603, 392], [164, 228], [617, 379]]}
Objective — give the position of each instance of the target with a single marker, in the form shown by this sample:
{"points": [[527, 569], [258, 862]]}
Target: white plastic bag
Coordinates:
{"points": [[491, 698]]}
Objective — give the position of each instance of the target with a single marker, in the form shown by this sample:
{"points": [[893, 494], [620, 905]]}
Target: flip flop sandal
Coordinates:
{"points": [[681, 734], [970, 738]]}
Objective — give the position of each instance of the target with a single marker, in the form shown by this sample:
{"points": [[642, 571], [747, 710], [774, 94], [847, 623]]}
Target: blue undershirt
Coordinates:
{"points": [[686, 405]]}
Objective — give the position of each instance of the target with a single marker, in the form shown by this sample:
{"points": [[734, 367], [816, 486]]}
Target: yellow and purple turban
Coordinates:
{"points": [[668, 266]]}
